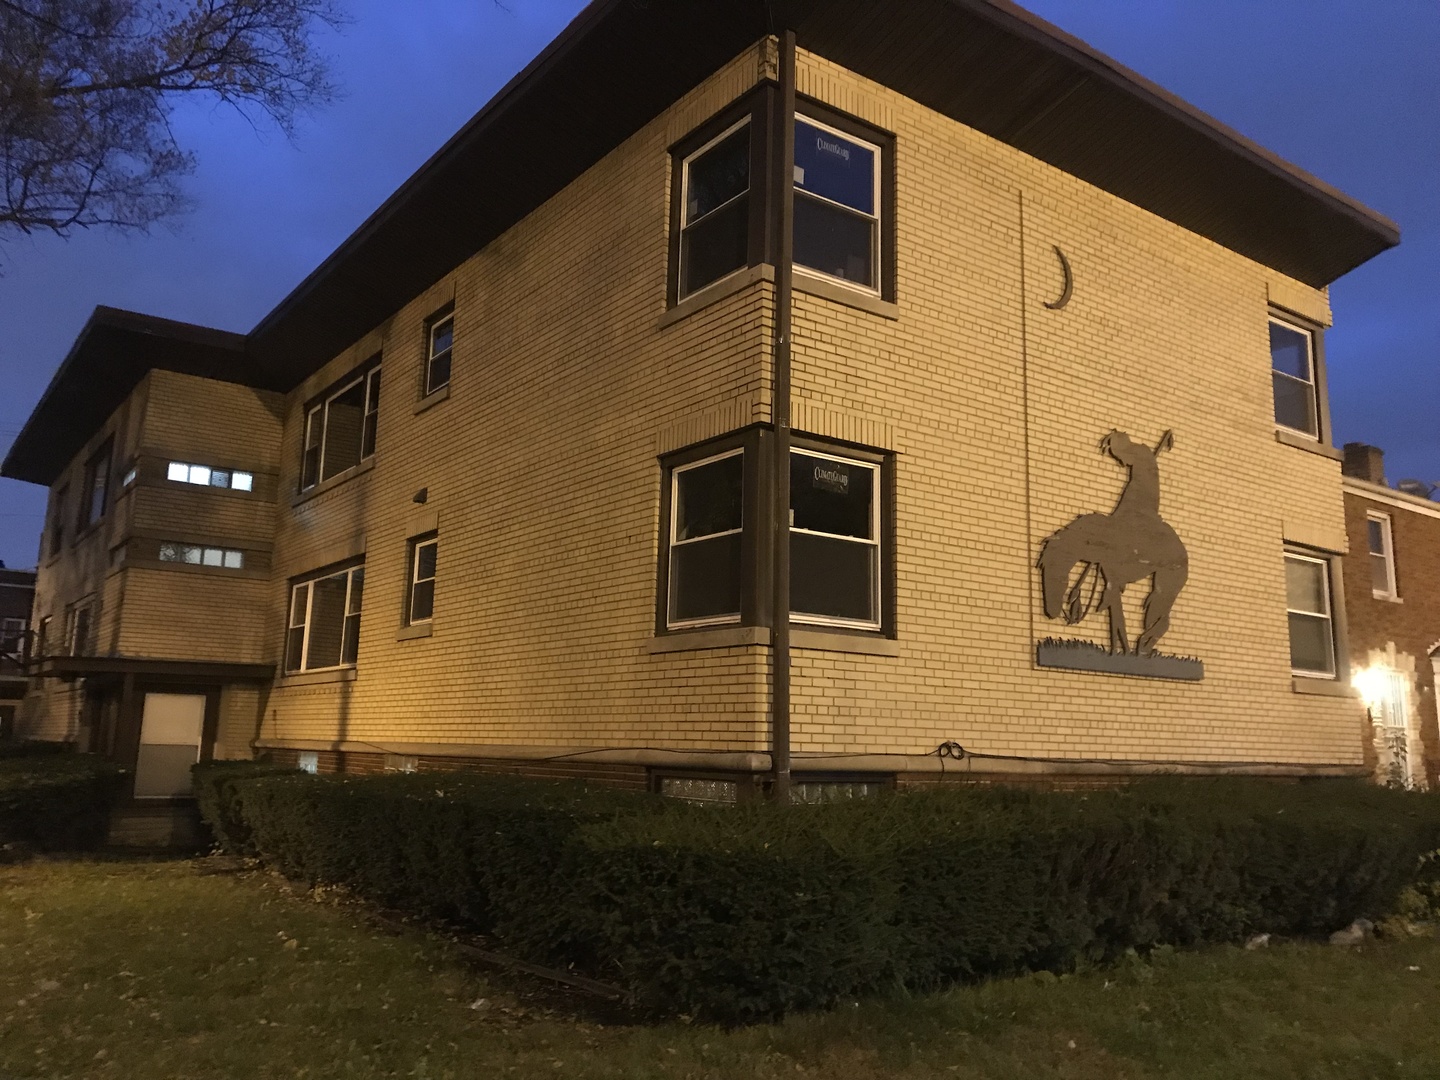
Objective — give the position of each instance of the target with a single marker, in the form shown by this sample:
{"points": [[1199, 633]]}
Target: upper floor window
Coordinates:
{"points": [[1312, 623], [837, 204], [1382, 556], [77, 630], [323, 627], [420, 602], [715, 200], [57, 520], [1293, 372], [440, 337], [12, 636], [340, 429], [184, 473], [195, 555], [97, 487]]}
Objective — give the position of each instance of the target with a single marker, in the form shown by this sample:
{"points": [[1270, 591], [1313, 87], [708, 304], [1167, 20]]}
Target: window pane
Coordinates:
{"points": [[190, 554], [357, 589], [442, 334], [327, 617], [299, 597], [242, 481], [219, 478], [1377, 536], [422, 600], [425, 560], [709, 498], [234, 560], [834, 578], [834, 241], [718, 175], [716, 246], [178, 471], [705, 579], [438, 376], [1311, 648], [344, 421], [1305, 586], [200, 474], [838, 168], [1379, 574], [831, 496], [350, 648], [1290, 351], [213, 557], [1294, 403], [294, 642]]}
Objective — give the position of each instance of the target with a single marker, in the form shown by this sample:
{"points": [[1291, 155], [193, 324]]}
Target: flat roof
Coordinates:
{"points": [[988, 64]]}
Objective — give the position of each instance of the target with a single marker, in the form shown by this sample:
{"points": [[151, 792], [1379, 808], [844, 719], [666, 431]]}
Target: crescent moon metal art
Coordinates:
{"points": [[1069, 281]]}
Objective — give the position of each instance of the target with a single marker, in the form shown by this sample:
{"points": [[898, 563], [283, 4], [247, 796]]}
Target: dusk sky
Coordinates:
{"points": [[1347, 89]]}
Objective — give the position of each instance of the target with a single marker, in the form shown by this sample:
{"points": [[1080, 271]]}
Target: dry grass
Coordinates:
{"points": [[156, 970]]}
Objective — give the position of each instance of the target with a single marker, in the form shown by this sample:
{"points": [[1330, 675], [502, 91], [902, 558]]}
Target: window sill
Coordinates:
{"points": [[1321, 687], [430, 400], [415, 630], [1387, 598], [716, 291], [843, 294], [729, 637], [1304, 442], [318, 678], [334, 482]]}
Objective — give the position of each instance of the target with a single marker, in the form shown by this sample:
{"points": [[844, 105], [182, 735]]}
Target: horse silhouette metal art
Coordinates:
{"points": [[1128, 545]]}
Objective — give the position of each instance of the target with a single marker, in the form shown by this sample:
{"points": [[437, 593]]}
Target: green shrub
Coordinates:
{"points": [[214, 798], [57, 802], [747, 913]]}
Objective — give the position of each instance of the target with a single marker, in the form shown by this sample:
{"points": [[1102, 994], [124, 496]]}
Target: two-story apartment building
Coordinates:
{"points": [[1063, 497]]}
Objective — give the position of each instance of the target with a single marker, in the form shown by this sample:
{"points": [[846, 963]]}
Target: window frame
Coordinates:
{"points": [[416, 545], [349, 571], [78, 625], [809, 111], [96, 481], [57, 520], [1314, 333], [203, 551], [189, 480], [675, 472], [367, 374], [1330, 615], [877, 528], [436, 320], [12, 633], [1387, 553]]}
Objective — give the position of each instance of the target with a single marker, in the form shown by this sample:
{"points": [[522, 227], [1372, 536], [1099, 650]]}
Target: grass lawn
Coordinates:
{"points": [[157, 970]]}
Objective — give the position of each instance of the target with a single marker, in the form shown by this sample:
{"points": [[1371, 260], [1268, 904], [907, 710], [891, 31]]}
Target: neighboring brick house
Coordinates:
{"points": [[1393, 602], [545, 545], [17, 594]]}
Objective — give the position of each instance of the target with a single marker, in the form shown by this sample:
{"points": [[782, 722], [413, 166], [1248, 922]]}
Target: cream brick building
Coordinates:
{"points": [[538, 542]]}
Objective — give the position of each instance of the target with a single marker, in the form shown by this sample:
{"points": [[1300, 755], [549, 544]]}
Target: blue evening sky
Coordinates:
{"points": [[1347, 89]]}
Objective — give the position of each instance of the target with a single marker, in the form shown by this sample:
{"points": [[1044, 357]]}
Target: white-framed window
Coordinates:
{"points": [[97, 486], [1312, 622], [420, 602], [323, 627], [77, 630], [706, 532], [199, 555], [1292, 363], [182, 472], [440, 339], [1381, 541], [837, 204], [129, 478], [340, 430], [834, 540], [715, 209]]}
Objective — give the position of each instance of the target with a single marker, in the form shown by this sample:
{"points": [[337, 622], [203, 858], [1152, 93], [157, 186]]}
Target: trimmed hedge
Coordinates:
{"points": [[747, 913], [57, 801], [215, 799]]}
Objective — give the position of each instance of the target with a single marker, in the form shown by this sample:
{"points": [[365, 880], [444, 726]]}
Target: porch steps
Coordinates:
{"points": [[172, 827]]}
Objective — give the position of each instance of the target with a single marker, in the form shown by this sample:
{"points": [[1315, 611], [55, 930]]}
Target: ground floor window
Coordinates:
{"points": [[1312, 622], [323, 629]]}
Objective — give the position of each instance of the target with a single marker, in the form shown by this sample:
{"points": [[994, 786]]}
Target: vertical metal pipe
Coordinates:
{"points": [[783, 191]]}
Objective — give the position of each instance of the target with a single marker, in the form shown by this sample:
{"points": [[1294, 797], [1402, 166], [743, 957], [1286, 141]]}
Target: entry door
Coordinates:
{"points": [[171, 727], [1394, 723]]}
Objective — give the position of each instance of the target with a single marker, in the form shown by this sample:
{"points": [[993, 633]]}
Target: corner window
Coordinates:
{"points": [[1382, 556], [834, 540], [1312, 624], [77, 631], [440, 337], [97, 487], [323, 628], [420, 600], [706, 522], [340, 429], [837, 204], [715, 217], [1293, 373], [195, 555], [204, 476]]}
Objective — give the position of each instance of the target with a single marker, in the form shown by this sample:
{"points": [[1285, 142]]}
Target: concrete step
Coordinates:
{"points": [[169, 827]]}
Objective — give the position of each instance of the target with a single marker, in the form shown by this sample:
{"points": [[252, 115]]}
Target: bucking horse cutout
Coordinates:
{"points": [[1118, 549]]}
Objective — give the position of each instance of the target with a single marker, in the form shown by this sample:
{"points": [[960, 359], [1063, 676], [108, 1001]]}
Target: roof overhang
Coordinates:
{"points": [[113, 353], [70, 668], [988, 64]]}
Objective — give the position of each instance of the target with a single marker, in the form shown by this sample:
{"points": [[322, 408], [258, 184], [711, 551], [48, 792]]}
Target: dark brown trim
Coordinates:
{"points": [[76, 667]]}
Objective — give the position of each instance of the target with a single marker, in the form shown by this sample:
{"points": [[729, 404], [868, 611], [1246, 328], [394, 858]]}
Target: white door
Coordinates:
{"points": [[1392, 719], [170, 731]]}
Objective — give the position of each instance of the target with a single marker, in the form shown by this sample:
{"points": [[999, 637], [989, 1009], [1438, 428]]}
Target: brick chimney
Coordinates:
{"points": [[1364, 462]]}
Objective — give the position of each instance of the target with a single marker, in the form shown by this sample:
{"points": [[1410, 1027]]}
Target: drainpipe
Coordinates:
{"points": [[784, 191]]}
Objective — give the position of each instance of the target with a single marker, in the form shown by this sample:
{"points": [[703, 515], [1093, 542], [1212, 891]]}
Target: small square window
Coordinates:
{"points": [[220, 478], [234, 560], [179, 472], [420, 605], [242, 481]]}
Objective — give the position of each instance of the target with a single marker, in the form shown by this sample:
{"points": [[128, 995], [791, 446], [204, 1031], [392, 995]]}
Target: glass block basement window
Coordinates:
{"points": [[696, 790]]}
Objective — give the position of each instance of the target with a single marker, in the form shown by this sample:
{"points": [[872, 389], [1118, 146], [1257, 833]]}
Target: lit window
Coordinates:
{"points": [[204, 476], [1292, 360], [197, 555], [1312, 629], [129, 477], [706, 526], [834, 540], [323, 630], [340, 431], [837, 204], [242, 481], [1382, 556], [441, 338], [420, 606], [715, 209], [308, 761]]}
